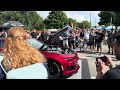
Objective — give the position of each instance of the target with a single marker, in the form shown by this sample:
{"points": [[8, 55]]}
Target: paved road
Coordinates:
{"points": [[87, 65]]}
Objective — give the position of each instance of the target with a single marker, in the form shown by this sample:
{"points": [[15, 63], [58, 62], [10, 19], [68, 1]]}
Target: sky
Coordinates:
{"points": [[77, 15]]}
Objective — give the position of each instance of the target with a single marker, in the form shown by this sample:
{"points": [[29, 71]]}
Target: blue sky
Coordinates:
{"points": [[77, 15]]}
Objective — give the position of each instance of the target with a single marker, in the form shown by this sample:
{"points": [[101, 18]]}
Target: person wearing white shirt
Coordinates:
{"points": [[86, 38]]}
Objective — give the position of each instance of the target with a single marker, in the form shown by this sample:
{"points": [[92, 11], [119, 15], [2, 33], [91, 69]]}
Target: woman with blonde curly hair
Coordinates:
{"points": [[17, 53]]}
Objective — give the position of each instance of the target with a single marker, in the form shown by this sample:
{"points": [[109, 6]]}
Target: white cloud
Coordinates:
{"points": [[77, 15], [74, 15], [43, 14]]}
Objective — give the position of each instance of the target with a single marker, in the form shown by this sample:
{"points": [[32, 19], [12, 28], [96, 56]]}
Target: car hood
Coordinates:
{"points": [[56, 36]]}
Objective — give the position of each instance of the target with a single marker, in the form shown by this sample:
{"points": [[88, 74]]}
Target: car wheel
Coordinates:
{"points": [[54, 70]]}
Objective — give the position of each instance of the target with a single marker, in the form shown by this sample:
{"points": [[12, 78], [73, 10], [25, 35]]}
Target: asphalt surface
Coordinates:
{"points": [[87, 64]]}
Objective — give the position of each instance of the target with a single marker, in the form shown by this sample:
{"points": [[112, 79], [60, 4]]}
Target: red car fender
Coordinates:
{"points": [[56, 57]]}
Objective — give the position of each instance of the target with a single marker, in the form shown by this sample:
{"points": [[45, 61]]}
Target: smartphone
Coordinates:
{"points": [[104, 59]]}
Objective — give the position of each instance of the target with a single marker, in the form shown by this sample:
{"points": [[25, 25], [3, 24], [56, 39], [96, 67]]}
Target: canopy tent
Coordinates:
{"points": [[109, 28], [101, 27], [9, 24], [118, 27], [2, 28]]}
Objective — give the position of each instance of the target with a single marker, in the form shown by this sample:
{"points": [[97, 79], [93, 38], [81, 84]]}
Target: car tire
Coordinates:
{"points": [[54, 70]]}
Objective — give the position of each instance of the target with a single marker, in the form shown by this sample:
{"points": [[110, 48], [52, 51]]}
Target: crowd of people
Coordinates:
{"points": [[90, 37], [18, 54], [93, 39]]}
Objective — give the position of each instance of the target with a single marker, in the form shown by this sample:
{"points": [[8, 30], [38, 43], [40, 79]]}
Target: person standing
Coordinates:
{"points": [[95, 44], [86, 39], [72, 39], [65, 39], [99, 40], [44, 36], [34, 34], [92, 40], [110, 41]]}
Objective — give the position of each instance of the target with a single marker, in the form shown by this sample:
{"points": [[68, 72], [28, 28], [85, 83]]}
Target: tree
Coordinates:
{"points": [[105, 17], [79, 25], [56, 19], [29, 18], [85, 24], [117, 18], [73, 21]]}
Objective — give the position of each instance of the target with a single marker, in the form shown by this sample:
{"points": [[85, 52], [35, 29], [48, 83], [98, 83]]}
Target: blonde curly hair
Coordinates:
{"points": [[18, 51]]}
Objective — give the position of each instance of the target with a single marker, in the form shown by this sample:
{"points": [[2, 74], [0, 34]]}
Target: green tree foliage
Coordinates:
{"points": [[79, 25], [117, 18], [105, 18], [56, 19], [73, 21], [29, 18], [85, 24]]}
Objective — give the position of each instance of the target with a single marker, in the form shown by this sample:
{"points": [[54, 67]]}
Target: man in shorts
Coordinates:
{"points": [[110, 40], [99, 40], [86, 38], [92, 40]]}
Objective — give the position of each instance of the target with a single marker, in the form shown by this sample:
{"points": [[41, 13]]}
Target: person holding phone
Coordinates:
{"points": [[102, 67]]}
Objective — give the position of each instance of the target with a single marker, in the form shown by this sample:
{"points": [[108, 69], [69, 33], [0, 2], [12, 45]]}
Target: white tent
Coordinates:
{"points": [[12, 24], [109, 28]]}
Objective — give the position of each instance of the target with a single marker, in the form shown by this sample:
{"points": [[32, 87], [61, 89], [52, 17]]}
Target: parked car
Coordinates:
{"points": [[60, 63]]}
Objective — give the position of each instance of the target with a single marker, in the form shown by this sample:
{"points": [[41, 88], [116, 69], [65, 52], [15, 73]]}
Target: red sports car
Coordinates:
{"points": [[60, 63]]}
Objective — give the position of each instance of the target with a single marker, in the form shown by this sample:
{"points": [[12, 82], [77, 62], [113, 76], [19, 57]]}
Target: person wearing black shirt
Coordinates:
{"points": [[99, 40], [102, 67], [34, 34], [95, 44], [44, 36]]}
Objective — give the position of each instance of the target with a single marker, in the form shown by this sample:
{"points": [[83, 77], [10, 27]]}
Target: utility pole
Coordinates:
{"points": [[95, 23], [90, 19], [111, 21]]}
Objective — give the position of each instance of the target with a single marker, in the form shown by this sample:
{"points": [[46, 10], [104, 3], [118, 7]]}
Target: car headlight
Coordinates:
{"points": [[68, 58]]}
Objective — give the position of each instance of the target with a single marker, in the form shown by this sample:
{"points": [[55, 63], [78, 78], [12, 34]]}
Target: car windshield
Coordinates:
{"points": [[34, 43]]}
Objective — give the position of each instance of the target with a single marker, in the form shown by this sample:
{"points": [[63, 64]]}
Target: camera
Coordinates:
{"points": [[103, 58]]}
